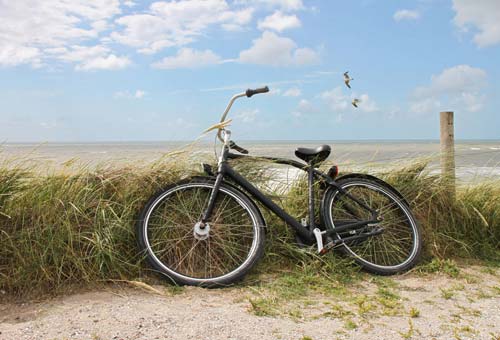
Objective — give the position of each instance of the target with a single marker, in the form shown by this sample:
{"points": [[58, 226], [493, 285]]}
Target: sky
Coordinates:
{"points": [[115, 70]]}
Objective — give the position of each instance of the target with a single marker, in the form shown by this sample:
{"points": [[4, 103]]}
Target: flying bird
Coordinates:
{"points": [[347, 79], [355, 102]]}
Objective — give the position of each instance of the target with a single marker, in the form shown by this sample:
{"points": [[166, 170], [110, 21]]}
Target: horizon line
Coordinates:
{"points": [[251, 140]]}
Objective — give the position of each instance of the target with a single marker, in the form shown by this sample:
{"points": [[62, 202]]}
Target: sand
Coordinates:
{"points": [[472, 312]]}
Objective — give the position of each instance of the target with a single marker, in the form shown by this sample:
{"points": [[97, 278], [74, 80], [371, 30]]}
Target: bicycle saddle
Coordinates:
{"points": [[313, 155]]}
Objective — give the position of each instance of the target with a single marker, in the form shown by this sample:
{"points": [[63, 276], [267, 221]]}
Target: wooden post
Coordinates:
{"points": [[447, 137]]}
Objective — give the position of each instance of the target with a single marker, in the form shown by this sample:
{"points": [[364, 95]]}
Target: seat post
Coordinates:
{"points": [[310, 182]]}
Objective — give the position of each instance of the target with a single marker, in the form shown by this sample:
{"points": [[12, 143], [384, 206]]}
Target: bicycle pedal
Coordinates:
{"points": [[329, 246]]}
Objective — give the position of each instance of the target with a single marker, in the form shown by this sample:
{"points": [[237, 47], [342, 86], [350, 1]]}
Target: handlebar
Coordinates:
{"points": [[251, 92], [248, 93]]}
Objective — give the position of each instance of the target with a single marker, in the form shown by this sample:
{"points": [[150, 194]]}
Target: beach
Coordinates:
{"points": [[475, 160]]}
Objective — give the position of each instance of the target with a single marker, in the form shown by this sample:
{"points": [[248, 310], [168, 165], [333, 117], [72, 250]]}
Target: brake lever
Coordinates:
{"points": [[234, 146]]}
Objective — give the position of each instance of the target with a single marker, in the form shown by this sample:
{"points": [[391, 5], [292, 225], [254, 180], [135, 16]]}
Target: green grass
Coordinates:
{"points": [[447, 294], [75, 226], [263, 307], [364, 304], [350, 324], [414, 312], [436, 265], [410, 332]]}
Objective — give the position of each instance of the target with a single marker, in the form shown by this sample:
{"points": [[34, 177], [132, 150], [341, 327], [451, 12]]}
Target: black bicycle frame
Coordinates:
{"points": [[306, 232]]}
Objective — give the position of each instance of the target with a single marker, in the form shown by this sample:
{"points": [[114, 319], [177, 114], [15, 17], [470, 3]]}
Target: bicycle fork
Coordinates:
{"points": [[211, 201]]}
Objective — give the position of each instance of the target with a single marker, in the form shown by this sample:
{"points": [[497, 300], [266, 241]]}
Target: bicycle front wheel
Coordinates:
{"points": [[397, 248], [220, 253]]}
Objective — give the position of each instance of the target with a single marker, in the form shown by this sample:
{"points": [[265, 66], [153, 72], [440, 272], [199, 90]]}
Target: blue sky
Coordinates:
{"points": [[110, 70]]}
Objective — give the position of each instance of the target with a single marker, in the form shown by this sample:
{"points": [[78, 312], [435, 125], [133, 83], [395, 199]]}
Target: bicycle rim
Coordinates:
{"points": [[397, 245], [170, 239]]}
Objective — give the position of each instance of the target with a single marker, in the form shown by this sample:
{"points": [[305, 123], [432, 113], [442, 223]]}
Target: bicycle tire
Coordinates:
{"points": [[223, 240], [372, 254]]}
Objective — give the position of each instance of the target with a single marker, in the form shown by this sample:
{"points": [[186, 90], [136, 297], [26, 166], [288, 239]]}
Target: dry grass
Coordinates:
{"points": [[76, 226]]}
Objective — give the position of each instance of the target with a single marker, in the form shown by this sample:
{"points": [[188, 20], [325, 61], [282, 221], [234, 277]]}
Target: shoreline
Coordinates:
{"points": [[475, 160]]}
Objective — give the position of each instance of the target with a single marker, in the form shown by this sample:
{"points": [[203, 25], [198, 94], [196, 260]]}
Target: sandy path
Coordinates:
{"points": [[449, 308]]}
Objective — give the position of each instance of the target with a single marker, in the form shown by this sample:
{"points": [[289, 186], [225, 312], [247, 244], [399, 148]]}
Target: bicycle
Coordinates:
{"points": [[208, 230]]}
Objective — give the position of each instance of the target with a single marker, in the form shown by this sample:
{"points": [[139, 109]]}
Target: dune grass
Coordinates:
{"points": [[73, 227], [467, 225], [76, 226]]}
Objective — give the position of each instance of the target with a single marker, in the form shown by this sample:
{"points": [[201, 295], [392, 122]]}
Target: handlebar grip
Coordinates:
{"points": [[251, 92], [232, 145]]}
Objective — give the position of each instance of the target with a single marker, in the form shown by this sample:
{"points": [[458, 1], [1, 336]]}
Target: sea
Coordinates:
{"points": [[474, 159]]}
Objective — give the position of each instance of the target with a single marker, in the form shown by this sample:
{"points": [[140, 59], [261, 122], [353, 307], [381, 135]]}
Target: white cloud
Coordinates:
{"points": [[177, 23], [484, 15], [78, 32], [293, 92], [285, 5], [110, 62], [90, 57], [317, 74], [425, 105], [290, 5], [271, 49], [335, 99], [367, 104], [121, 94], [12, 55], [100, 25], [273, 86], [248, 116], [78, 53], [50, 124], [29, 27], [461, 78], [304, 107], [305, 56], [338, 101], [406, 14], [279, 22], [274, 91], [459, 86], [188, 58], [473, 102], [138, 94]]}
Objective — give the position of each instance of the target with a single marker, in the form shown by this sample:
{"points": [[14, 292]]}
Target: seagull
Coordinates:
{"points": [[355, 102], [347, 79]]}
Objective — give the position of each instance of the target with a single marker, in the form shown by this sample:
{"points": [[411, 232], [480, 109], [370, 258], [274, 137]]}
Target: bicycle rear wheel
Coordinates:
{"points": [[220, 253], [397, 248]]}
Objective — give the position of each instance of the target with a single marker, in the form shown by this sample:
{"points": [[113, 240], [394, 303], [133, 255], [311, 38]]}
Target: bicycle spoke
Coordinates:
{"points": [[171, 231], [395, 244]]}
